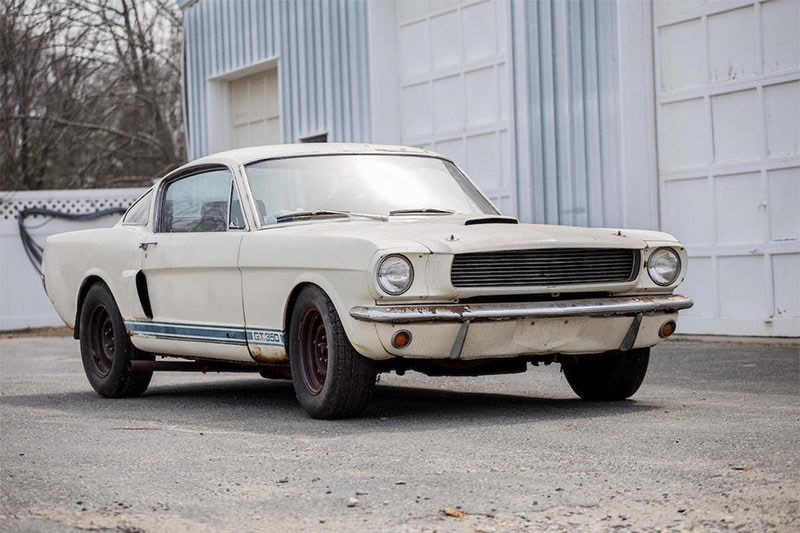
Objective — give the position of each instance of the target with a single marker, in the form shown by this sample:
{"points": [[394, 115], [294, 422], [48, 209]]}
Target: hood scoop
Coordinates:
{"points": [[491, 220]]}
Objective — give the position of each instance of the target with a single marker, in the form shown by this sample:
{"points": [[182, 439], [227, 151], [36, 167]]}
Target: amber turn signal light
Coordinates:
{"points": [[401, 339], [667, 329]]}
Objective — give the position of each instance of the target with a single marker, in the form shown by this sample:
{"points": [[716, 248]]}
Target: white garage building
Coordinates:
{"points": [[679, 115]]}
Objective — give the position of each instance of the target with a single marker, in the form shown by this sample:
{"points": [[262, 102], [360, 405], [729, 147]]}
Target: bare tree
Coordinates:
{"points": [[91, 92], [27, 65]]}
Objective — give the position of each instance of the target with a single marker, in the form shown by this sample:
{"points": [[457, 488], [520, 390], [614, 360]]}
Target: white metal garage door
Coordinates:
{"points": [[255, 110], [728, 111], [454, 87]]}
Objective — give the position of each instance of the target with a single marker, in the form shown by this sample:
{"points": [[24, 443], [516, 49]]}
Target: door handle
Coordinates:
{"points": [[144, 245]]}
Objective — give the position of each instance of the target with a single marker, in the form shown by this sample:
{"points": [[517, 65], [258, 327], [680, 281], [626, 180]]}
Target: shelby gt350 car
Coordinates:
{"points": [[331, 263]]}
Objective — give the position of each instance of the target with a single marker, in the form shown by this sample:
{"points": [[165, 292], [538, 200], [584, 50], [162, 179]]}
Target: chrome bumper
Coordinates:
{"points": [[627, 305]]}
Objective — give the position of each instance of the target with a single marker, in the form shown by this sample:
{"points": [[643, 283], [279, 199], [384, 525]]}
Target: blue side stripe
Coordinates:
{"points": [[181, 325], [206, 333], [190, 339], [190, 331]]}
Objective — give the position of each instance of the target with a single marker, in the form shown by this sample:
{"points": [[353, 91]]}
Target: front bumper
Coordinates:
{"points": [[624, 306], [474, 331]]}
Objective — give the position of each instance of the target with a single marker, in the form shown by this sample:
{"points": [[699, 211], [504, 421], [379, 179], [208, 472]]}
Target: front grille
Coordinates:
{"points": [[568, 266]]}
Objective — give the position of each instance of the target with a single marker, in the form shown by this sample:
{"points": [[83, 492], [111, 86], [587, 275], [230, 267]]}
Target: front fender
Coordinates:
{"points": [[274, 263], [362, 336]]}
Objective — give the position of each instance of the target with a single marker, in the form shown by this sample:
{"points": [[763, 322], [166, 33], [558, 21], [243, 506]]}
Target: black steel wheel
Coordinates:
{"points": [[607, 377], [101, 341], [331, 379], [107, 350], [313, 350]]}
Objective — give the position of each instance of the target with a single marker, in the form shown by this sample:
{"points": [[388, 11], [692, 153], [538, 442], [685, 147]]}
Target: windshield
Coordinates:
{"points": [[375, 184]]}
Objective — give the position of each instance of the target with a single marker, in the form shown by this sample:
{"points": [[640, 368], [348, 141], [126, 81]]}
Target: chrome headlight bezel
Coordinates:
{"points": [[659, 278], [382, 272]]}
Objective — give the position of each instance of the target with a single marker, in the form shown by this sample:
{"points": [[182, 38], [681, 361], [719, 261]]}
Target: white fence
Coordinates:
{"points": [[23, 302]]}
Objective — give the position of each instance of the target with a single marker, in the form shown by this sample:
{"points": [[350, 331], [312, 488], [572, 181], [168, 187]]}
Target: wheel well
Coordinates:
{"points": [[287, 317], [85, 286]]}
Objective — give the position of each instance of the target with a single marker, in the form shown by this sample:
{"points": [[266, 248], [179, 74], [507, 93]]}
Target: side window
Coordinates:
{"points": [[197, 203], [139, 213]]}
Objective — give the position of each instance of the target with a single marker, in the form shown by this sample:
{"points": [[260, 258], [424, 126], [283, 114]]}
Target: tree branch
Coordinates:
{"points": [[146, 139]]}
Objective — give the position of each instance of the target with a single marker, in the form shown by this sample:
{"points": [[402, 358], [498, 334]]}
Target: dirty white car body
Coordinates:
{"points": [[483, 287]]}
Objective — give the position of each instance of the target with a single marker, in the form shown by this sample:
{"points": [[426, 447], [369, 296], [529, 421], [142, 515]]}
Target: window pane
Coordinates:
{"points": [[197, 203], [361, 183], [139, 213]]}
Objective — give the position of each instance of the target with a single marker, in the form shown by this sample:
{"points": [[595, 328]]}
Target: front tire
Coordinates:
{"points": [[607, 377], [331, 379], [106, 349]]}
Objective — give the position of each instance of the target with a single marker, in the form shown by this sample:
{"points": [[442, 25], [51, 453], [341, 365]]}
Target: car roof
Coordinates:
{"points": [[244, 156]]}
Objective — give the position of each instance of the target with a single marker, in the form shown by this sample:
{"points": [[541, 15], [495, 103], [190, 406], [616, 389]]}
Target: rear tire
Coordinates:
{"points": [[331, 379], [107, 350], [607, 377]]}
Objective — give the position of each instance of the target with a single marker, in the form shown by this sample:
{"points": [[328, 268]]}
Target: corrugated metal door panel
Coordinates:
{"points": [[728, 90], [566, 92]]}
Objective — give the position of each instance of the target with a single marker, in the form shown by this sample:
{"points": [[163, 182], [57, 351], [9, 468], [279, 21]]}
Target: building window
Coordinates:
{"points": [[321, 138]]}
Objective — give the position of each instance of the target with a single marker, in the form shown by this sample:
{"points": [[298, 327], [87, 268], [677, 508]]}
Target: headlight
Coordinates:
{"points": [[664, 265], [395, 274]]}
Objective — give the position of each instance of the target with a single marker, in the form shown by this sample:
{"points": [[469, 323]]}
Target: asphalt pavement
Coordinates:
{"points": [[710, 442]]}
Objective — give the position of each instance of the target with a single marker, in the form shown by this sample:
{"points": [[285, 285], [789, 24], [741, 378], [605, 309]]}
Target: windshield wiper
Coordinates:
{"points": [[319, 213], [423, 210]]}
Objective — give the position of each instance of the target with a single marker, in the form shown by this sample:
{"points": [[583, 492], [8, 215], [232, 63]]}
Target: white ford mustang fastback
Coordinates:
{"points": [[329, 264]]}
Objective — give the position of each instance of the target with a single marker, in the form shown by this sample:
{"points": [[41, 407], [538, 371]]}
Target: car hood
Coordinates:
{"points": [[451, 234]]}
